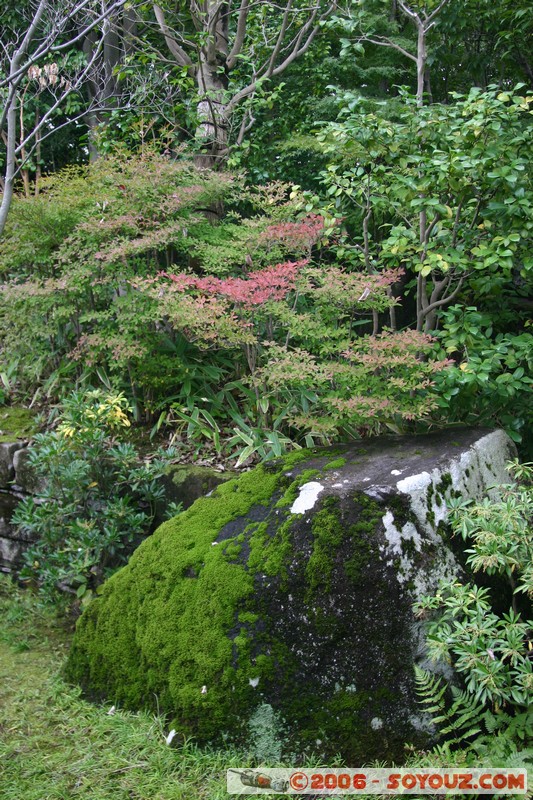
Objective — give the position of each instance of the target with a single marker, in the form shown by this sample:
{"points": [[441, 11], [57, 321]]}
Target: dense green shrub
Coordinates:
{"points": [[98, 497], [255, 323], [445, 193], [194, 294], [490, 382], [70, 258]]}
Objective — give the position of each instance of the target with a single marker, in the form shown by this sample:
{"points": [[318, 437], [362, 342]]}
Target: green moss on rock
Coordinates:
{"points": [[163, 627], [16, 423], [328, 534], [337, 463], [444, 484]]}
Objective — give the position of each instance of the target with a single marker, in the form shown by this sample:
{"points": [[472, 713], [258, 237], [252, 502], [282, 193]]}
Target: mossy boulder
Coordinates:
{"points": [[290, 586]]}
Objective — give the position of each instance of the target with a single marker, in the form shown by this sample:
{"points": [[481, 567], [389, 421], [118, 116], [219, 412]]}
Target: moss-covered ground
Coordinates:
{"points": [[16, 423]]}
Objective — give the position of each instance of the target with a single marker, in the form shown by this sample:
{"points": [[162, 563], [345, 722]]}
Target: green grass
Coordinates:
{"points": [[54, 745]]}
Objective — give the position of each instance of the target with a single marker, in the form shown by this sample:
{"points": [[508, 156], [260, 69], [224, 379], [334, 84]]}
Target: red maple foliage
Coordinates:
{"points": [[271, 283]]}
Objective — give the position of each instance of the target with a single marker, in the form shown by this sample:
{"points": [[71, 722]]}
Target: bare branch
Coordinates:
{"points": [[240, 33], [30, 33], [409, 12], [245, 127], [16, 74], [430, 229], [47, 46], [299, 49], [435, 13], [80, 80], [281, 37], [299, 46], [179, 54], [105, 14], [385, 42]]}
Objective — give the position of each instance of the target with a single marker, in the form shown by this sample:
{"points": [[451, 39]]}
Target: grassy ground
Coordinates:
{"points": [[54, 745]]}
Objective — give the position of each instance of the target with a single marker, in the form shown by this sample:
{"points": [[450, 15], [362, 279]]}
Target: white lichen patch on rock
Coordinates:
{"points": [[395, 535], [416, 486], [307, 498], [402, 544], [470, 474]]}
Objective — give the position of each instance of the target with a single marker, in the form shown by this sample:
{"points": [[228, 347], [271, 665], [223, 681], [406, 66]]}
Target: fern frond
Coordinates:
{"points": [[462, 720], [430, 689]]}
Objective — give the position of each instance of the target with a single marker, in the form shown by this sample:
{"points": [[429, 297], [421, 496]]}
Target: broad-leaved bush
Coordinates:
{"points": [[97, 499], [444, 192], [489, 648]]}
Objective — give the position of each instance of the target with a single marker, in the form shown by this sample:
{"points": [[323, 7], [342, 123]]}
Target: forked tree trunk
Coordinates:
{"points": [[216, 48]]}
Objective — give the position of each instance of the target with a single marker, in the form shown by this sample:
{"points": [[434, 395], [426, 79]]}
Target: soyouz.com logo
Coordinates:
{"points": [[377, 781]]}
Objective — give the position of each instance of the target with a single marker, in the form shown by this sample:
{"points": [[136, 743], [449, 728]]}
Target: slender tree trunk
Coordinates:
{"points": [[25, 170], [91, 118], [9, 175], [129, 25], [117, 42], [37, 155], [421, 59]]}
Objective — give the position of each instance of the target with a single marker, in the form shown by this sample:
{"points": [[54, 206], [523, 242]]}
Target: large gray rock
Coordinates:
{"points": [[185, 483], [292, 587], [7, 470], [25, 477]]}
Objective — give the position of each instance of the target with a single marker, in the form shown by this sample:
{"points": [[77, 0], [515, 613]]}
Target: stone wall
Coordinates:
{"points": [[16, 481]]}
